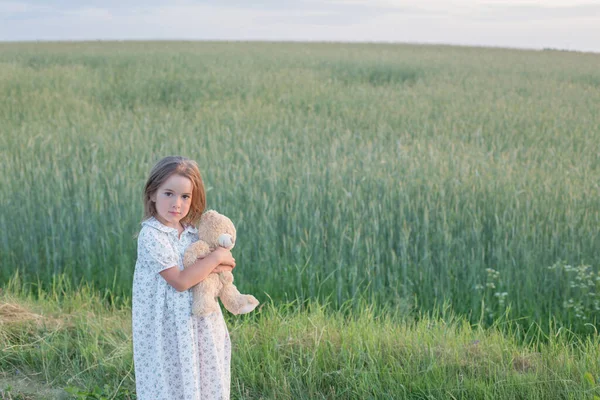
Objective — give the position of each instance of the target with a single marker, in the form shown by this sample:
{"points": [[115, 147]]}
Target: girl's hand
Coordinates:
{"points": [[222, 268], [224, 257]]}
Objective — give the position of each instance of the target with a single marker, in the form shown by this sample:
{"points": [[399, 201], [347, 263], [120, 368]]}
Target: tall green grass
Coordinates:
{"points": [[410, 175], [67, 341]]}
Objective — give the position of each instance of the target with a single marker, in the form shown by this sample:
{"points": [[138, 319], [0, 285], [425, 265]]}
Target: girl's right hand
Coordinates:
{"points": [[222, 268], [224, 256]]}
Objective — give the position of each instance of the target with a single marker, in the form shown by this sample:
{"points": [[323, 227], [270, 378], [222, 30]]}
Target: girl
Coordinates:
{"points": [[176, 355]]}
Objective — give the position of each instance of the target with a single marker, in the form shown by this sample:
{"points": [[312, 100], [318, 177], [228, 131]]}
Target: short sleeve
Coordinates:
{"points": [[155, 251]]}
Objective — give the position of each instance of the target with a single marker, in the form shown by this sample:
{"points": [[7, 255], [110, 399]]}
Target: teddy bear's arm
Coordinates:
{"points": [[194, 251]]}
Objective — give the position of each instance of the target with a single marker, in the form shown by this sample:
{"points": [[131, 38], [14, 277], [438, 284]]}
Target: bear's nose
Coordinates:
{"points": [[225, 240]]}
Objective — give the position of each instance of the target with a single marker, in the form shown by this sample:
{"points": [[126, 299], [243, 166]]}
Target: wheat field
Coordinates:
{"points": [[411, 176]]}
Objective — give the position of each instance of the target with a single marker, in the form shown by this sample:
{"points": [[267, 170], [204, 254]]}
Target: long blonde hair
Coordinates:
{"points": [[180, 166]]}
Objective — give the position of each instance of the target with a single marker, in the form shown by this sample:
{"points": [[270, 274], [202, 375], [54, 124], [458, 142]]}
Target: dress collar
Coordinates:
{"points": [[156, 224]]}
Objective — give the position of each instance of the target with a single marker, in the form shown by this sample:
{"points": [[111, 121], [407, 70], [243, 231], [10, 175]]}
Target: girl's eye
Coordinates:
{"points": [[185, 196], [168, 194]]}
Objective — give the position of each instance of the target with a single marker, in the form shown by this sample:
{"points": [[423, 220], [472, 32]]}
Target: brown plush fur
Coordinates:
{"points": [[211, 226]]}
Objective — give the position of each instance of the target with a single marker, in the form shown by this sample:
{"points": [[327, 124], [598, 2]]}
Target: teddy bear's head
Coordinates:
{"points": [[216, 230]]}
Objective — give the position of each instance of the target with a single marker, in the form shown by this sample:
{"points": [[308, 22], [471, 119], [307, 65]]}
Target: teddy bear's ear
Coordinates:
{"points": [[209, 215]]}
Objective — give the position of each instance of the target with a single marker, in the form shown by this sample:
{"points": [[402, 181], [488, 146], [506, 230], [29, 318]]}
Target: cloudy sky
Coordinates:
{"points": [[563, 24]]}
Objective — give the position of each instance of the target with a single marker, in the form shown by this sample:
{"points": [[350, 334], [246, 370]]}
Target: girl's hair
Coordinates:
{"points": [[180, 166]]}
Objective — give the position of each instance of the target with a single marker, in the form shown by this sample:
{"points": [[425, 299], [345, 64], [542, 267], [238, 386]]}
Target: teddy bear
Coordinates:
{"points": [[214, 230]]}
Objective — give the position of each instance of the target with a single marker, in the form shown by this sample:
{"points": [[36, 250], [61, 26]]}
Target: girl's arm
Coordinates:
{"points": [[198, 271]]}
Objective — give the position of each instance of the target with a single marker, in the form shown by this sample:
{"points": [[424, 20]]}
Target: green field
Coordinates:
{"points": [[390, 173], [443, 196], [76, 347]]}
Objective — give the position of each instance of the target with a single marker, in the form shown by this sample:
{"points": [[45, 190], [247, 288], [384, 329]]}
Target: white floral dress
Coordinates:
{"points": [[176, 355]]}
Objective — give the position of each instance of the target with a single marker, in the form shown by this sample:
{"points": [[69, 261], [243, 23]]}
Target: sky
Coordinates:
{"points": [[557, 24]]}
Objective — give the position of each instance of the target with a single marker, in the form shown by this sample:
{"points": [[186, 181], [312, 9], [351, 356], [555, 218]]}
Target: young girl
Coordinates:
{"points": [[176, 355]]}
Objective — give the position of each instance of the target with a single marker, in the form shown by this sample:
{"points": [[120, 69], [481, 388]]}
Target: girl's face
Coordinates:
{"points": [[173, 200]]}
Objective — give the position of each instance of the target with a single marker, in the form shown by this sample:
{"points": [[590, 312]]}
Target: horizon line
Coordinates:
{"points": [[299, 41]]}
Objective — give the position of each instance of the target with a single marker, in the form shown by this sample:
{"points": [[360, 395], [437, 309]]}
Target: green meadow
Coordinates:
{"points": [[76, 347], [377, 187]]}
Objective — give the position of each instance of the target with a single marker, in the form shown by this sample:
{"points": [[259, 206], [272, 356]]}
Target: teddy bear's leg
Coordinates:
{"points": [[204, 296], [235, 302]]}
